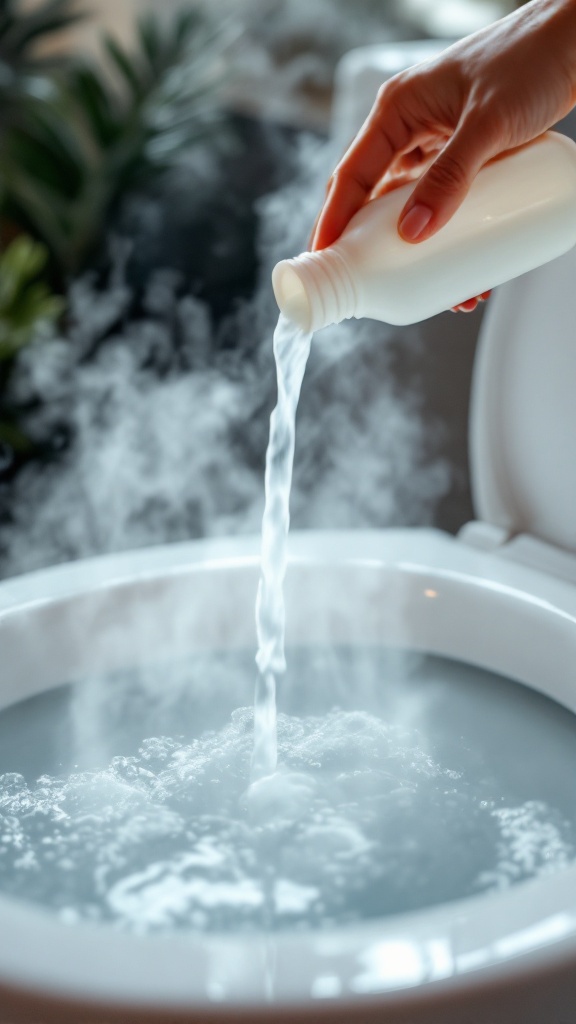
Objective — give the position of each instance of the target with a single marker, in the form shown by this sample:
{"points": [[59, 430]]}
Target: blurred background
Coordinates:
{"points": [[156, 160]]}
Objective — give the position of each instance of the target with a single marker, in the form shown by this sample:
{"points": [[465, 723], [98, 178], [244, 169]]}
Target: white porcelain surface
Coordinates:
{"points": [[416, 588], [523, 415]]}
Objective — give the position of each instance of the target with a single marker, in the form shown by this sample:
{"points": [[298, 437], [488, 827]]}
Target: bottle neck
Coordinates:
{"points": [[328, 287]]}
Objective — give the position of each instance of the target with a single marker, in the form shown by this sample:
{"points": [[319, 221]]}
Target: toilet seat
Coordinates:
{"points": [[523, 409]]}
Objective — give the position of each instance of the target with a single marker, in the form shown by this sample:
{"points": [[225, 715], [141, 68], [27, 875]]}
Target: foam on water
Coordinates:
{"points": [[359, 822], [291, 351]]}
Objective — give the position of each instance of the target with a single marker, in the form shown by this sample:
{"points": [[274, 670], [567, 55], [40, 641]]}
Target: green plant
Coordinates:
{"points": [[23, 67], [26, 305], [92, 138], [25, 302]]}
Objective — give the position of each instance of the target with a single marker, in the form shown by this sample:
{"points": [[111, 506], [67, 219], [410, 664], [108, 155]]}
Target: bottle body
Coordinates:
{"points": [[520, 212]]}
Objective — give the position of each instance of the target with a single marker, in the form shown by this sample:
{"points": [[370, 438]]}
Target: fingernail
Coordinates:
{"points": [[413, 223]]}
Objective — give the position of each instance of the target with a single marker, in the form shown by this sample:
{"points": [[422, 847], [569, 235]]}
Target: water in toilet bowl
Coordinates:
{"points": [[399, 789]]}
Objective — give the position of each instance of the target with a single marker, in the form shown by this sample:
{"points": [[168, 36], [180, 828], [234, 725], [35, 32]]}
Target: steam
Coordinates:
{"points": [[290, 50], [169, 424]]}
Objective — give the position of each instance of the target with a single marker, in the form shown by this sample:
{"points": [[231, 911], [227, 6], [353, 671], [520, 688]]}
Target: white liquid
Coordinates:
{"points": [[291, 351]]}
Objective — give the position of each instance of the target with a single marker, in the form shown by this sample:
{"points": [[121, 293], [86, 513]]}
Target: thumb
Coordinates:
{"points": [[444, 186]]}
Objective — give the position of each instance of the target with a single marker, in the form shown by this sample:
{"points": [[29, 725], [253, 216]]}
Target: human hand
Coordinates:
{"points": [[470, 305], [439, 122]]}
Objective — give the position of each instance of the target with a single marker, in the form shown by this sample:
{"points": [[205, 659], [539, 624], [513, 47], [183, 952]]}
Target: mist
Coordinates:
{"points": [[168, 421]]}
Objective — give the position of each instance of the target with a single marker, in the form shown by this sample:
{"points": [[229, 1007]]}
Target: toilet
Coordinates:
{"points": [[501, 595]]}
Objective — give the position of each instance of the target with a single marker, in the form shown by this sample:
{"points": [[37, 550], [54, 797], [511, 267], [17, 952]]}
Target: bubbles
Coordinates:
{"points": [[530, 843], [364, 818], [280, 799]]}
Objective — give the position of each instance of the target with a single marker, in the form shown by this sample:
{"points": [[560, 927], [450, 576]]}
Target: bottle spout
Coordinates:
{"points": [[314, 289], [291, 295]]}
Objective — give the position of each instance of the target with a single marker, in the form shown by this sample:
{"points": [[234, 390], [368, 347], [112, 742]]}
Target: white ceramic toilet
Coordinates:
{"points": [[501, 596]]}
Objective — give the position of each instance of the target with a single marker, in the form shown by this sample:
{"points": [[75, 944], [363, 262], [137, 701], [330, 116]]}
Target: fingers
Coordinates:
{"points": [[466, 307], [444, 186], [346, 195], [470, 304], [383, 135], [403, 122], [316, 222]]}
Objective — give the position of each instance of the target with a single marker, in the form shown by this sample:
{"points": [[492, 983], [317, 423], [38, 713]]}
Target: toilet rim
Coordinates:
{"points": [[481, 940]]}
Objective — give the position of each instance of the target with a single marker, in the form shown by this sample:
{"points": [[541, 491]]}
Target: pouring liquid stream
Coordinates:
{"points": [[291, 351]]}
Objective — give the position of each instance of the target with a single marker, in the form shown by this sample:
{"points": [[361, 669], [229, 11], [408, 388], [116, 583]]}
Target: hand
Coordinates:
{"points": [[470, 305], [441, 121]]}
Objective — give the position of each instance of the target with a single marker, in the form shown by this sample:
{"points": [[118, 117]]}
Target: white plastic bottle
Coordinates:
{"points": [[519, 213]]}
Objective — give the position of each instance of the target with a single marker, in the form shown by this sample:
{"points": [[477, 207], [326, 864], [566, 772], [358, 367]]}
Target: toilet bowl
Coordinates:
{"points": [[502, 596]]}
